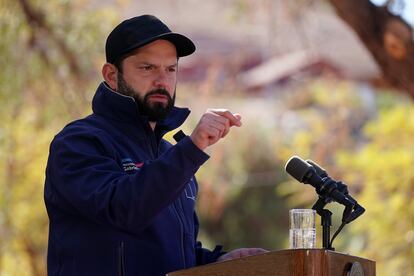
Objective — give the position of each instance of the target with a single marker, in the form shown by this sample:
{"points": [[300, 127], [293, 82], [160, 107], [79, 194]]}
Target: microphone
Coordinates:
{"points": [[319, 170], [309, 172], [350, 214], [322, 173], [325, 187]]}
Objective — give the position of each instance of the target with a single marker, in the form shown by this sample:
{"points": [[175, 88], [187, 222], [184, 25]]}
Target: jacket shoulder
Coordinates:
{"points": [[81, 132]]}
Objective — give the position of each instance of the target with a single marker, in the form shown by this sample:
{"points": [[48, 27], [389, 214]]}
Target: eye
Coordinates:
{"points": [[146, 67], [172, 69]]}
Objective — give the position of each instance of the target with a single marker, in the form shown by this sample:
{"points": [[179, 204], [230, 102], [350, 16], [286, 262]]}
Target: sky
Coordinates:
{"points": [[408, 12]]}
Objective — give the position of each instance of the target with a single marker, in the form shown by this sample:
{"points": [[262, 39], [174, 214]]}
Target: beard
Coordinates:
{"points": [[154, 111]]}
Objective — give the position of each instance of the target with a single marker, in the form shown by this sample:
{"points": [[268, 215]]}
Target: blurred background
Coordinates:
{"points": [[331, 81]]}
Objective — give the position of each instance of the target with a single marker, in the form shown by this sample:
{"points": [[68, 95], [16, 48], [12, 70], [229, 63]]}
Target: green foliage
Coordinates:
{"points": [[49, 73], [39, 93], [328, 115], [368, 145], [383, 170]]}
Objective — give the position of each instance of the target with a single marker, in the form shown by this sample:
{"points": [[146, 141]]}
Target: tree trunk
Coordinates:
{"points": [[388, 37]]}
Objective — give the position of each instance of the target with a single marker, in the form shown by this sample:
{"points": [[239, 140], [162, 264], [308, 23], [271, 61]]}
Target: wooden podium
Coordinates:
{"points": [[292, 262]]}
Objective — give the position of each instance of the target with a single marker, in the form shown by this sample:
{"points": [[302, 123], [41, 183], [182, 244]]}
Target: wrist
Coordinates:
{"points": [[198, 142]]}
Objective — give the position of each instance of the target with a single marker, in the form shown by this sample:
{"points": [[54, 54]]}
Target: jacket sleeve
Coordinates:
{"points": [[83, 177], [204, 255]]}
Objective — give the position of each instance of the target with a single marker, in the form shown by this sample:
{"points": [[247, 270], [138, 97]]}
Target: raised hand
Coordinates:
{"points": [[214, 125]]}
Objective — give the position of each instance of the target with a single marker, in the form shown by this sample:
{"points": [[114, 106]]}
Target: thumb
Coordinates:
{"points": [[238, 117]]}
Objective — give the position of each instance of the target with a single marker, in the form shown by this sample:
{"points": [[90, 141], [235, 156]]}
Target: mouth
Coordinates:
{"points": [[158, 98]]}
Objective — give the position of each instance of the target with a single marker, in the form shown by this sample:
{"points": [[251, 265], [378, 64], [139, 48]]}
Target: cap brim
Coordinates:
{"points": [[183, 44]]}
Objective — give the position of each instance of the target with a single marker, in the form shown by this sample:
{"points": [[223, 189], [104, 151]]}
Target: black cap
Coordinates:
{"points": [[139, 31]]}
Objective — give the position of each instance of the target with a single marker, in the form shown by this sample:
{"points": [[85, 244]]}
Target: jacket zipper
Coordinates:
{"points": [[156, 150], [121, 260], [182, 233], [153, 143]]}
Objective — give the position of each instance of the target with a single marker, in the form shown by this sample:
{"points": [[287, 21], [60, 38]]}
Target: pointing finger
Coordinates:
{"points": [[235, 119]]}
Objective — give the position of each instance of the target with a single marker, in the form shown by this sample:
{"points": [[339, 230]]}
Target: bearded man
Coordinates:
{"points": [[120, 198]]}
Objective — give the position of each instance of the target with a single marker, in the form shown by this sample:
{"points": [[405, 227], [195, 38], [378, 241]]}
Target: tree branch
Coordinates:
{"points": [[388, 37], [36, 19]]}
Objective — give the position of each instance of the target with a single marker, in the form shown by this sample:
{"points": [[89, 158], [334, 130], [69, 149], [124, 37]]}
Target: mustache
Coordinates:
{"points": [[159, 91]]}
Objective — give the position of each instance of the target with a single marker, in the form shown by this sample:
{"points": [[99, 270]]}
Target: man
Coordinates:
{"points": [[120, 199]]}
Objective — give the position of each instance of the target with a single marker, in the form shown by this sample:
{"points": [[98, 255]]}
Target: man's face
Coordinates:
{"points": [[150, 77]]}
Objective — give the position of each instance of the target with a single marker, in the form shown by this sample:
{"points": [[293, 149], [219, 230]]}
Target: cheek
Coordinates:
{"points": [[138, 83], [172, 82], [168, 82], [144, 84]]}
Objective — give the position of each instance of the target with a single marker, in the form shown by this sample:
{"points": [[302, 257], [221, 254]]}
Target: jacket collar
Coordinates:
{"points": [[114, 106]]}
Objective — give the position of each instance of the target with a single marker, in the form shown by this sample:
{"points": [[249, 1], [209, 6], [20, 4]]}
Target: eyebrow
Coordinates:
{"points": [[175, 64]]}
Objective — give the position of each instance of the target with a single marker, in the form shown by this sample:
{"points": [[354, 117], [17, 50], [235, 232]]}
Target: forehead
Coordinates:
{"points": [[158, 48]]}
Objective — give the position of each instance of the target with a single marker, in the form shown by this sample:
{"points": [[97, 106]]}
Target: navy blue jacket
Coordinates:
{"points": [[120, 199]]}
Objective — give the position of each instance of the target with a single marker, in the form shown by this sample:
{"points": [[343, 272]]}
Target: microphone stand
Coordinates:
{"points": [[326, 221], [351, 212], [328, 190]]}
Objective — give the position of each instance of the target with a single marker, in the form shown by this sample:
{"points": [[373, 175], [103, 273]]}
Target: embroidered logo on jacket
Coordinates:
{"points": [[190, 190], [129, 165]]}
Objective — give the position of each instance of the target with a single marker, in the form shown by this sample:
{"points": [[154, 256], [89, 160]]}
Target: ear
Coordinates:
{"points": [[110, 75]]}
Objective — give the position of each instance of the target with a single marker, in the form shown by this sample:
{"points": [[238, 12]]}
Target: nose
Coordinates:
{"points": [[161, 80]]}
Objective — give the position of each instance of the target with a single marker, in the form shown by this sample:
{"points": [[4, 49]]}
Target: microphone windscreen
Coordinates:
{"points": [[319, 170], [298, 168]]}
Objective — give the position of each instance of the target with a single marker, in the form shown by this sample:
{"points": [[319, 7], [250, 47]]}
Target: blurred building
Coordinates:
{"points": [[259, 46]]}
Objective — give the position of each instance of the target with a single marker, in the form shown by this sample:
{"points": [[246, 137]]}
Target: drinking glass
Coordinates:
{"points": [[302, 232]]}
